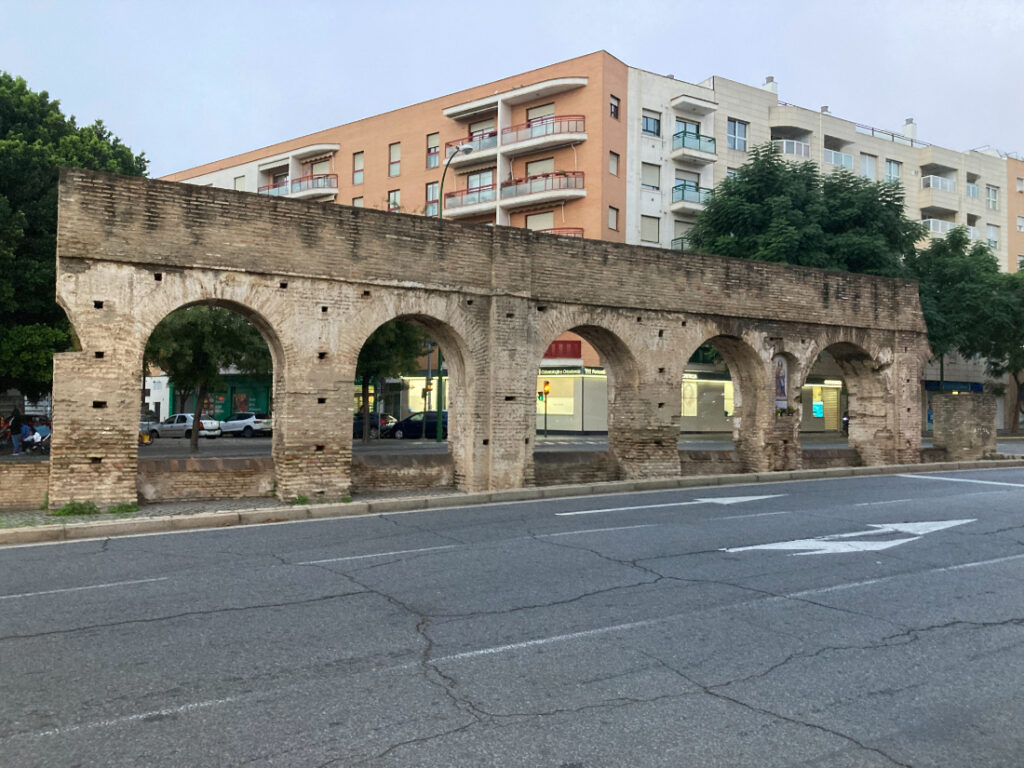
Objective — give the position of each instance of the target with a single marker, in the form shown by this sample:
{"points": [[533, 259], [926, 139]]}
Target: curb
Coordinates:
{"points": [[78, 531]]}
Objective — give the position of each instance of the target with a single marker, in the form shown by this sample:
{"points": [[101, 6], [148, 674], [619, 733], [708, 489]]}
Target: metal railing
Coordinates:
{"points": [[470, 196], [478, 141], [938, 182], [276, 189], [315, 181], [792, 147], [691, 193], [544, 126], [564, 231], [938, 226], [843, 160], [542, 182], [679, 243], [691, 140]]}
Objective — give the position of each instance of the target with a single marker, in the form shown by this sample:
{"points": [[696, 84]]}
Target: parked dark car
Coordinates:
{"points": [[379, 423], [419, 425]]}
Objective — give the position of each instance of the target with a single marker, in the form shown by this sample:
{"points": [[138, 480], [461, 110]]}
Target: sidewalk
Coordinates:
{"points": [[29, 526]]}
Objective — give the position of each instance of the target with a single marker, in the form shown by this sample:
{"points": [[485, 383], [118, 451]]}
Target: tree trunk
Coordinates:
{"points": [[193, 443], [1016, 401]]}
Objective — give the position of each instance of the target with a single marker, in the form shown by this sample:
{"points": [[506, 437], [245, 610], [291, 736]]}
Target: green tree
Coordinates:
{"points": [[391, 350], [776, 210], [35, 140], [195, 344]]}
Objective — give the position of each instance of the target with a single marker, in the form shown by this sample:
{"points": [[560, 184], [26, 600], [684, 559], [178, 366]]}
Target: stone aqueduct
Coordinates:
{"points": [[318, 279]]}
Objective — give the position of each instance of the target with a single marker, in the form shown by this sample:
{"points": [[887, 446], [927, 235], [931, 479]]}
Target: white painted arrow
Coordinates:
{"points": [[719, 500], [835, 544]]}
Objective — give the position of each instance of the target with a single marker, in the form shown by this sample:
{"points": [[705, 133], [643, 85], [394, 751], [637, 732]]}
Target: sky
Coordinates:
{"points": [[190, 82]]}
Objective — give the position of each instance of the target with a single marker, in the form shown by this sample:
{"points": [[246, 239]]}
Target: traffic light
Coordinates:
{"points": [[430, 386], [540, 397], [547, 388]]}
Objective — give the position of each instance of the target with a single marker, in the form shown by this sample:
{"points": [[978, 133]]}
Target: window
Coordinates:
{"points": [[650, 229], [394, 200], [537, 221], [1020, 223], [480, 180], [540, 114], [687, 126], [431, 208], [992, 197], [688, 178], [481, 127], [893, 170], [993, 236], [613, 218], [613, 163], [433, 150], [613, 106], [736, 133], [538, 167], [395, 159], [650, 176], [1020, 262], [1020, 184], [240, 183], [357, 168], [731, 173], [868, 166], [972, 190], [651, 123], [357, 202]]}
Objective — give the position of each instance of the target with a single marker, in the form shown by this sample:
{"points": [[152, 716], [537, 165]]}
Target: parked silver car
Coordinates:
{"points": [[180, 425], [247, 424]]}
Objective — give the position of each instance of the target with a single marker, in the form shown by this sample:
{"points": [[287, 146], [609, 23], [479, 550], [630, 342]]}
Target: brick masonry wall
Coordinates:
{"points": [[964, 425], [23, 483], [207, 478]]}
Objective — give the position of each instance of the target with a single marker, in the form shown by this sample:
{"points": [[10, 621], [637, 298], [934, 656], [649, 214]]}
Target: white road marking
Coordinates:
{"points": [[755, 514], [961, 480], [597, 530], [834, 544], [718, 500], [79, 589], [377, 554], [876, 503]]}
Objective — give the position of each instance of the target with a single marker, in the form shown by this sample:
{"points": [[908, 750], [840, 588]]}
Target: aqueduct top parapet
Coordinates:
{"points": [[319, 278]]}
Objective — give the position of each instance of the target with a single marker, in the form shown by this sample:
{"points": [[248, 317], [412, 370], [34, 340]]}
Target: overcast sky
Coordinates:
{"points": [[188, 82]]}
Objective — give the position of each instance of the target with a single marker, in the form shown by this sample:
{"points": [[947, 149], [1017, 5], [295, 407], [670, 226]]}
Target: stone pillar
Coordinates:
{"points": [[964, 425], [783, 446], [643, 422]]}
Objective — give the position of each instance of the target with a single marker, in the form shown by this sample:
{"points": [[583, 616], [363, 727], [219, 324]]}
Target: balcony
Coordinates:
{"points": [[470, 202], [689, 198], [793, 147], [545, 133], [563, 231], [315, 185], [542, 188], [938, 196], [939, 227], [938, 182], [691, 148], [277, 189], [839, 159], [679, 243], [484, 144]]}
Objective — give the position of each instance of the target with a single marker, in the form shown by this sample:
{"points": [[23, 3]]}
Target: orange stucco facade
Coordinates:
{"points": [[1015, 204]]}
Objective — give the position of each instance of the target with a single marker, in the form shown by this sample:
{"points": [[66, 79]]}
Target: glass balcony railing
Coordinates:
{"points": [[543, 182], [679, 243], [841, 159], [277, 189], [471, 196], [478, 141], [691, 193], [938, 182], [315, 181], [564, 232], [545, 126], [793, 147], [938, 226], [690, 140]]}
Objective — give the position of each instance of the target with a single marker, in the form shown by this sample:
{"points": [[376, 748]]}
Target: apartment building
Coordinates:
{"points": [[591, 147]]}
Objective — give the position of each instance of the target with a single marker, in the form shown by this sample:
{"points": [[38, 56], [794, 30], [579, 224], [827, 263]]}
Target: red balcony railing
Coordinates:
{"points": [[564, 231], [478, 141], [275, 189], [545, 126], [470, 196], [571, 348], [544, 182], [315, 181]]}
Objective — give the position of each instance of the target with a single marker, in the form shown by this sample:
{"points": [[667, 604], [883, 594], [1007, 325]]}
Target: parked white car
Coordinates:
{"points": [[247, 424], [180, 425]]}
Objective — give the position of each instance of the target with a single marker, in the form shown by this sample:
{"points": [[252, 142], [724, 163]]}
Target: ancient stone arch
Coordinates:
{"points": [[318, 279]]}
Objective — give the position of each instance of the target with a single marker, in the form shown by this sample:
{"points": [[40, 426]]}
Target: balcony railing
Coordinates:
{"points": [[690, 140], [276, 189], [690, 193], [543, 182], [679, 243], [938, 226], [792, 147], [470, 196], [478, 141], [315, 181], [563, 231], [545, 126], [938, 182], [841, 159]]}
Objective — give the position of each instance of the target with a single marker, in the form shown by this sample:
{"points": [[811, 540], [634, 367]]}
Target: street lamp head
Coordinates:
{"points": [[464, 149]]}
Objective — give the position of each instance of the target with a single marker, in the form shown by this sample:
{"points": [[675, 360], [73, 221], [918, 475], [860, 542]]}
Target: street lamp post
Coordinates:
{"points": [[462, 148]]}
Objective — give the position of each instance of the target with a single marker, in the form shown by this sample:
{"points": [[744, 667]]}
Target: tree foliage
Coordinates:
{"points": [[194, 345], [35, 140], [393, 349], [775, 210]]}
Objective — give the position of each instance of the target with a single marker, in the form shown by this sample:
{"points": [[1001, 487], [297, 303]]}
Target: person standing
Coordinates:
{"points": [[16, 424]]}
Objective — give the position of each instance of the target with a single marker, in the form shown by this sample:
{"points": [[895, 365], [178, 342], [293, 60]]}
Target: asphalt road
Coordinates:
{"points": [[676, 628]]}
